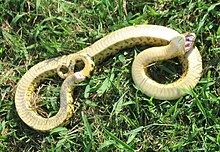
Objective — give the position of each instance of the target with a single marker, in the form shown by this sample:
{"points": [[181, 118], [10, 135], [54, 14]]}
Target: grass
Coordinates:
{"points": [[112, 114]]}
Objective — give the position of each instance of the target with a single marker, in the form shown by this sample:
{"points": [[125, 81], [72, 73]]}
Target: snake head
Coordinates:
{"points": [[183, 42], [190, 39], [178, 43]]}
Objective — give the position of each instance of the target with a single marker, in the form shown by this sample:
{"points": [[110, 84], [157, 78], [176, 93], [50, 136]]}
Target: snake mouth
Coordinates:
{"points": [[190, 40]]}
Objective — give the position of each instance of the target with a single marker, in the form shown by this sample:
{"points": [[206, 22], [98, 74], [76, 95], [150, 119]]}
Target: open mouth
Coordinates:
{"points": [[190, 39]]}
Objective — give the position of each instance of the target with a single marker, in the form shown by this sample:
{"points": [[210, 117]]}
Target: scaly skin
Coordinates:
{"points": [[170, 44]]}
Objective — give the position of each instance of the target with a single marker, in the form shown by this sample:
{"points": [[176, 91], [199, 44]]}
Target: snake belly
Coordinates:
{"points": [[109, 45]]}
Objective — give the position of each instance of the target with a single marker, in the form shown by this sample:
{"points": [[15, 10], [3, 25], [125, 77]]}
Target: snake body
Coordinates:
{"points": [[169, 43]]}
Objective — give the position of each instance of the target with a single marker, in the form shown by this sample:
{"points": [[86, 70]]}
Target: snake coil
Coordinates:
{"points": [[167, 44]]}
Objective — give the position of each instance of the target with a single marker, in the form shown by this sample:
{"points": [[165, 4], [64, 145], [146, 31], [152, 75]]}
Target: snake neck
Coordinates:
{"points": [[176, 48]]}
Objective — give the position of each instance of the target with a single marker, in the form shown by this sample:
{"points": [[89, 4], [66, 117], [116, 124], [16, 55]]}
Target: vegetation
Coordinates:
{"points": [[112, 114]]}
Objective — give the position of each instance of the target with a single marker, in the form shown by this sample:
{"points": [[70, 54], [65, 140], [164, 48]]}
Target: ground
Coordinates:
{"points": [[112, 114]]}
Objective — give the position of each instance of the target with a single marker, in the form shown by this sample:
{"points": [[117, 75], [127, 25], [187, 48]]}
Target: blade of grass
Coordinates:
{"points": [[88, 127], [106, 144], [199, 104], [38, 2], [132, 134], [117, 140], [16, 18], [117, 107]]}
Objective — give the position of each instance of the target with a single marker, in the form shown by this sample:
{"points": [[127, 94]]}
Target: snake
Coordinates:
{"points": [[165, 43]]}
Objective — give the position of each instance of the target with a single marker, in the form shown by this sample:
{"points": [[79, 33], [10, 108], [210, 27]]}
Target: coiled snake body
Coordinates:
{"points": [[169, 44]]}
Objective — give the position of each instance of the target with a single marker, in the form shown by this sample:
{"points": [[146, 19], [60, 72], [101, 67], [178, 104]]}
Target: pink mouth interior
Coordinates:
{"points": [[190, 39]]}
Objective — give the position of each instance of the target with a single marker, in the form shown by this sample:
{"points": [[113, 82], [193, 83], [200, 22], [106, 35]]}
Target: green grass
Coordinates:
{"points": [[112, 114]]}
